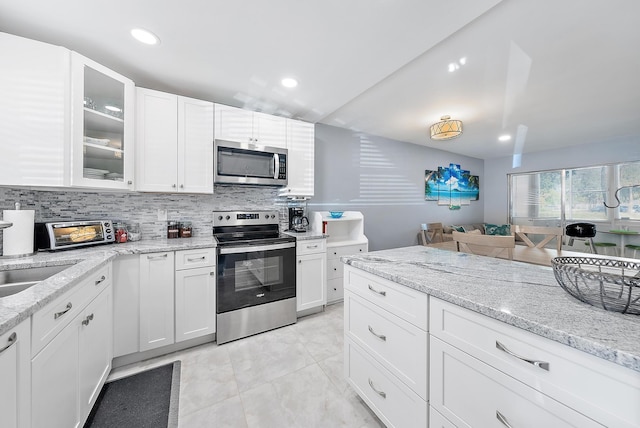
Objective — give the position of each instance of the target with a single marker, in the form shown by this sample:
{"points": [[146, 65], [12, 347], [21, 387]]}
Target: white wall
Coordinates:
{"points": [[496, 170], [384, 179]]}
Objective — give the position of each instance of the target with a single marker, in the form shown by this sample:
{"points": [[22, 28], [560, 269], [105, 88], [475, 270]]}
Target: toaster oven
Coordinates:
{"points": [[73, 234]]}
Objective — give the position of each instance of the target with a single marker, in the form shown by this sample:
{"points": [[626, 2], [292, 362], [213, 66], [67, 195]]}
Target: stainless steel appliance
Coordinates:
{"points": [[73, 234], [244, 163], [256, 274], [298, 222]]}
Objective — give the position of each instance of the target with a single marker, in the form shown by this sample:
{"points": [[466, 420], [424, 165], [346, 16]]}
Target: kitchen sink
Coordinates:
{"points": [[16, 280]]}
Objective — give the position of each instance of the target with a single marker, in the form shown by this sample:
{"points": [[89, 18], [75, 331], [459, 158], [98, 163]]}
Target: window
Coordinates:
{"points": [[575, 194]]}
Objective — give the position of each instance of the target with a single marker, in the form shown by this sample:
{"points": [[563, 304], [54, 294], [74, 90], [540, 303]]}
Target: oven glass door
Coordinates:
{"points": [[253, 276]]}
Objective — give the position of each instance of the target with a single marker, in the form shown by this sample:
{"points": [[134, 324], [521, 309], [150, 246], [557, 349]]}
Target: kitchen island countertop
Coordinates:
{"points": [[82, 262], [520, 294]]}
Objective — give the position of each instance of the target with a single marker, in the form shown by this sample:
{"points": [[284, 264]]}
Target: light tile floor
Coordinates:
{"points": [[288, 377]]}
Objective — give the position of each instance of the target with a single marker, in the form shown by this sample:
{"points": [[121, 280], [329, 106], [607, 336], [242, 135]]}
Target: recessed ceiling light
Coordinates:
{"points": [[463, 60], [504, 137], [289, 82], [145, 36]]}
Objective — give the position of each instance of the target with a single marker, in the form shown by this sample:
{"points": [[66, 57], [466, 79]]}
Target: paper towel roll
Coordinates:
{"points": [[18, 239]]}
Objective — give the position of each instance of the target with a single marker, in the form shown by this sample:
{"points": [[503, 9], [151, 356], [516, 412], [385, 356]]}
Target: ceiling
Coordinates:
{"points": [[548, 73]]}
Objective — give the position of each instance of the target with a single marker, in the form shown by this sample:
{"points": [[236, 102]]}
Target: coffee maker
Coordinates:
{"points": [[298, 222]]}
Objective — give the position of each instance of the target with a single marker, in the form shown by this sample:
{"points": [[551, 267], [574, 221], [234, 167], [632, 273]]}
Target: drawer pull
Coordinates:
{"points": [[382, 293], [162, 256], [196, 259], [379, 336], [542, 364], [61, 313], [380, 393], [102, 278], [312, 246], [502, 419], [87, 320], [10, 342]]}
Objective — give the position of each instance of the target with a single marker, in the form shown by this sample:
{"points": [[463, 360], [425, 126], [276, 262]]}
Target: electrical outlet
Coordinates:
{"points": [[162, 214]]}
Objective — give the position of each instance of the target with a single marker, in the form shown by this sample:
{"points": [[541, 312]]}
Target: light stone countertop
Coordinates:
{"points": [[82, 262], [520, 294], [308, 235]]}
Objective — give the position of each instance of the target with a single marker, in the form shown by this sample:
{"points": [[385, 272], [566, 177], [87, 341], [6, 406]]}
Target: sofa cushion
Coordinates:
{"points": [[497, 229]]}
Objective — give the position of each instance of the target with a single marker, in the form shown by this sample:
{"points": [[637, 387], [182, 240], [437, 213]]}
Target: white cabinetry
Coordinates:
{"points": [[301, 146], [386, 347], [556, 383], [15, 375], [71, 353], [156, 300], [174, 143], [346, 236], [195, 293], [244, 126], [103, 126], [36, 112], [126, 305], [311, 274]]}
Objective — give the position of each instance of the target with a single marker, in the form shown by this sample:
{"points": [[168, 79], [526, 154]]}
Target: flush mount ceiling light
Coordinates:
{"points": [[504, 138], [289, 82], [447, 129], [145, 36]]}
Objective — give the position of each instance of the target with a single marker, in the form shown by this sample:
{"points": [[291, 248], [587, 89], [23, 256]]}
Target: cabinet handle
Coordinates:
{"points": [[61, 313], [162, 256], [182, 186], [542, 364], [173, 185], [312, 246], [10, 342], [380, 393], [382, 293], [129, 182], [502, 419], [379, 336], [299, 261], [196, 259], [87, 320], [102, 278], [212, 273]]}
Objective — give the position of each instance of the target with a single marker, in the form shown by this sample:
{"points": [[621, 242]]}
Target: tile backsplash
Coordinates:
{"points": [[142, 208]]}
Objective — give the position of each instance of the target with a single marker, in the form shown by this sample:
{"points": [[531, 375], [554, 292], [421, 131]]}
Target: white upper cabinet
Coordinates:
{"points": [[103, 117], [244, 126], [301, 146], [34, 112], [174, 143]]}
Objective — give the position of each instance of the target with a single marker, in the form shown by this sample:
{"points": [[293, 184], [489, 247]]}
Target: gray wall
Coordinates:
{"points": [[496, 202], [384, 179]]}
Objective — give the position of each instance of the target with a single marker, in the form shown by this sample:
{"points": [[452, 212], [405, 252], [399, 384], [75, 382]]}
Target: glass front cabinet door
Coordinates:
{"points": [[103, 120]]}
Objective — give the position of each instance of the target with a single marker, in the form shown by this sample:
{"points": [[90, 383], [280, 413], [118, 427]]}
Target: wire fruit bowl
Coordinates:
{"points": [[612, 284]]}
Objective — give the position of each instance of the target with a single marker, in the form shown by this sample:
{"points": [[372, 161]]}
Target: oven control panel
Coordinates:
{"points": [[243, 218]]}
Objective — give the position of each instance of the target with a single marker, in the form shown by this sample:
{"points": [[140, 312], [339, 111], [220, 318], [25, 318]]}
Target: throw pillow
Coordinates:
{"points": [[474, 232], [458, 228], [497, 229]]}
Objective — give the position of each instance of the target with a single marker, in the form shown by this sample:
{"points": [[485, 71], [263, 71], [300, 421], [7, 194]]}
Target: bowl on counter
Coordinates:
{"points": [[336, 214]]}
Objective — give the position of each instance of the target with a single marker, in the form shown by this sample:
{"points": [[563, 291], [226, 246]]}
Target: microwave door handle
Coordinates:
{"points": [[276, 165]]}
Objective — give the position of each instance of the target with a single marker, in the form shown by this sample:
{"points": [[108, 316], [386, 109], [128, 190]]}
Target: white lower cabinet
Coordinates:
{"points": [[311, 270], [69, 371], [473, 394], [335, 285], [15, 376], [126, 305], [156, 300], [195, 293]]}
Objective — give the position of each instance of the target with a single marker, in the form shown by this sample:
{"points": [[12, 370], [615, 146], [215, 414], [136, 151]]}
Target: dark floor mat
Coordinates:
{"points": [[145, 400]]}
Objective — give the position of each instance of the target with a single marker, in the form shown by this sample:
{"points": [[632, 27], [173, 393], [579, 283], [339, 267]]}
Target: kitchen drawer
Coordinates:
{"points": [[50, 320], [602, 390], [187, 259], [408, 304], [311, 246], [394, 403], [339, 251], [399, 346], [335, 269], [335, 289], [470, 393]]}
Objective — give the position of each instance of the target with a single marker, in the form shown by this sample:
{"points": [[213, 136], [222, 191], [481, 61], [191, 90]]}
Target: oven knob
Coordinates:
{"points": [[273, 216], [219, 217], [227, 217], [108, 230], [108, 236]]}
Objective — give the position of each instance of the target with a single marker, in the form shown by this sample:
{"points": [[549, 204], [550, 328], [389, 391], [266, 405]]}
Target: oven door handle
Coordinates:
{"points": [[256, 248]]}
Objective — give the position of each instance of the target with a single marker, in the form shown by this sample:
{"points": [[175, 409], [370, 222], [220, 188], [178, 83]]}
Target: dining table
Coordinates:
{"points": [[623, 234]]}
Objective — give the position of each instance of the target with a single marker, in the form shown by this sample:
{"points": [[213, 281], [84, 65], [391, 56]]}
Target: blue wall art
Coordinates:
{"points": [[451, 186]]}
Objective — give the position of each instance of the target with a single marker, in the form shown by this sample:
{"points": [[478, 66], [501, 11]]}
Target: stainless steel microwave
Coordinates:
{"points": [[244, 163]]}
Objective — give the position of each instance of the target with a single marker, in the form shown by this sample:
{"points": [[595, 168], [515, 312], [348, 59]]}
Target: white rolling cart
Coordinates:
{"points": [[345, 236]]}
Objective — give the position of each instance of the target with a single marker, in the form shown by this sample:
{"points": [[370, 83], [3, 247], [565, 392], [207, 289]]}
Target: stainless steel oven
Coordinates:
{"points": [[256, 274]]}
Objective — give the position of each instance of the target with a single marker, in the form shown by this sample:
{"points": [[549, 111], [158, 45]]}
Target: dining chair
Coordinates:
{"points": [[525, 233], [484, 245]]}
